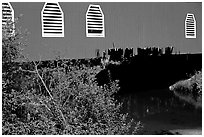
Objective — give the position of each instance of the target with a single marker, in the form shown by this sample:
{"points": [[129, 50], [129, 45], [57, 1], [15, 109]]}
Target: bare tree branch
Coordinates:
{"points": [[26, 70], [36, 69]]}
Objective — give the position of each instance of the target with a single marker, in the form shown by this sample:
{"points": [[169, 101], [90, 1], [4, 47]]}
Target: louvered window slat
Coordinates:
{"points": [[52, 18], [190, 26], [8, 15], [95, 22]]}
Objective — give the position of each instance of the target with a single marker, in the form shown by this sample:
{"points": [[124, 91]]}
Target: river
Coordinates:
{"points": [[161, 112]]}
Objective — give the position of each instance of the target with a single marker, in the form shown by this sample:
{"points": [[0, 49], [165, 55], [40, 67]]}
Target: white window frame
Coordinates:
{"points": [[190, 17], [62, 25], [101, 24], [12, 16]]}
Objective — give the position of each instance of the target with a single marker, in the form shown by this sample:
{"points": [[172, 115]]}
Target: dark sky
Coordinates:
{"points": [[127, 24]]}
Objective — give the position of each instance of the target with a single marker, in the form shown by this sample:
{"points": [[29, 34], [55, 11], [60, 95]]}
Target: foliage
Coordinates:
{"points": [[86, 107], [12, 42], [58, 101], [190, 90]]}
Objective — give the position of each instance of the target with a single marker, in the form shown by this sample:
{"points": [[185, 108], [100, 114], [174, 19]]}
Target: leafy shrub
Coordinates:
{"points": [[85, 107], [13, 41], [58, 101]]}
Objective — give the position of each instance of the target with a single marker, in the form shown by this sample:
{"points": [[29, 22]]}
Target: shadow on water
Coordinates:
{"points": [[161, 110]]}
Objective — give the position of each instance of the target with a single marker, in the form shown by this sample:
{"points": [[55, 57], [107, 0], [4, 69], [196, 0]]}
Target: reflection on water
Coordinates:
{"points": [[160, 111], [144, 104]]}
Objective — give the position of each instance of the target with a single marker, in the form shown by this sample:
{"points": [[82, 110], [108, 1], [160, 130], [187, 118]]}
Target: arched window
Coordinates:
{"points": [[52, 19], [190, 26], [8, 15], [95, 22]]}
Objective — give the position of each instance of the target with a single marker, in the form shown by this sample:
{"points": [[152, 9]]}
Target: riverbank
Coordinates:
{"points": [[190, 90]]}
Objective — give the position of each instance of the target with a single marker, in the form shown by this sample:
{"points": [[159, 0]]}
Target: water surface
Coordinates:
{"points": [[161, 110]]}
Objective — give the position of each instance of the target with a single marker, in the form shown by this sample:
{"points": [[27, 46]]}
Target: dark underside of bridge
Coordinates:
{"points": [[143, 73]]}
